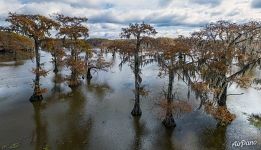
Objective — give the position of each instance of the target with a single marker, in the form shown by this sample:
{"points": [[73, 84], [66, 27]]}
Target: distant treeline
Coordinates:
{"points": [[10, 42], [97, 42]]}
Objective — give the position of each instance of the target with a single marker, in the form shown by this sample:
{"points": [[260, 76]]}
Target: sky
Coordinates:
{"points": [[170, 17]]}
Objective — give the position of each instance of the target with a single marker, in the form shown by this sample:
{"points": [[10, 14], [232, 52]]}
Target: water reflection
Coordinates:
{"points": [[139, 129], [214, 138], [57, 87], [75, 135], [39, 135], [74, 126], [91, 115], [168, 144], [164, 140], [99, 90]]}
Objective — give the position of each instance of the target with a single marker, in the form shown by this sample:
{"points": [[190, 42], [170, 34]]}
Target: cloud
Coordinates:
{"points": [[165, 3], [107, 17], [207, 2], [256, 4], [234, 12], [11, 6]]}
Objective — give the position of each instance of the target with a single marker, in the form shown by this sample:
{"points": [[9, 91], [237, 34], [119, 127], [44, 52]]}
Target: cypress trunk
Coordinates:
{"points": [[136, 111], [37, 96], [89, 75], [15, 55], [169, 121], [223, 98], [55, 64], [74, 75]]}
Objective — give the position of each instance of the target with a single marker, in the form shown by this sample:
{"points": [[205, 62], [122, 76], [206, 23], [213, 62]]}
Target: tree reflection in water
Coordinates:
{"points": [[78, 125], [139, 128], [39, 135]]}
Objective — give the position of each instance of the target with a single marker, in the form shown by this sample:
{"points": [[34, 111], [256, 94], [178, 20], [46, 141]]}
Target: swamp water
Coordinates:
{"points": [[97, 115]]}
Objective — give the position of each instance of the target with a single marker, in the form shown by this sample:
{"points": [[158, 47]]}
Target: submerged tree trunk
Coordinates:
{"points": [[40, 132], [222, 101], [55, 64], [139, 132], [136, 111], [169, 121], [37, 95], [89, 75], [74, 79], [74, 75], [15, 55]]}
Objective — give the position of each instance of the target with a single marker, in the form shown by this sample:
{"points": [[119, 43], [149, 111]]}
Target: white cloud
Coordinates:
{"points": [[107, 17]]}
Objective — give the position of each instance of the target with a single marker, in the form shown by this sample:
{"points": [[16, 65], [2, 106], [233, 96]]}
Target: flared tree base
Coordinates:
{"points": [[222, 102], [169, 122], [88, 81], [55, 71], [136, 111], [74, 86], [89, 77], [35, 98]]}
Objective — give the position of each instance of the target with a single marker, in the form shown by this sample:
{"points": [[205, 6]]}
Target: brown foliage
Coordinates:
{"points": [[40, 72], [39, 91], [11, 41], [122, 46], [221, 113], [72, 27], [56, 48], [244, 81], [138, 31], [74, 33], [77, 65], [173, 46], [177, 106], [200, 87], [98, 62], [225, 52], [34, 26]]}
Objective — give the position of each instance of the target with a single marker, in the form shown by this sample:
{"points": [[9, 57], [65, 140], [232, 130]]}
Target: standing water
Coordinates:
{"points": [[97, 115]]}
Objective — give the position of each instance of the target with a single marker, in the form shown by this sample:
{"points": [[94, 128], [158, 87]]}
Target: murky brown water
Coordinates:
{"points": [[97, 116]]}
